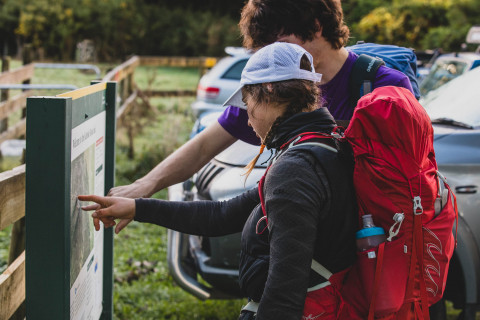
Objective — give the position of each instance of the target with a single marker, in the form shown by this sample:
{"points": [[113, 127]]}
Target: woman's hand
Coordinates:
{"points": [[108, 209]]}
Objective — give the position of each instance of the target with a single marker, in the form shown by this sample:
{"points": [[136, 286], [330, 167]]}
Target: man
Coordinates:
{"points": [[317, 26]]}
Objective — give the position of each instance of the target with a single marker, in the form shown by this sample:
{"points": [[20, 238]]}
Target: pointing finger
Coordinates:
{"points": [[91, 207], [100, 200]]}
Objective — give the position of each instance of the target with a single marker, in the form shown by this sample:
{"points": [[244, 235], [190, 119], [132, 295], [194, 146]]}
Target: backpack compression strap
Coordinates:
{"points": [[362, 77]]}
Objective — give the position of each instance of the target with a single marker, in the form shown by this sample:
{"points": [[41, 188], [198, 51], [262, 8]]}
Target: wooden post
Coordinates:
{"points": [[17, 246], [130, 84], [131, 135], [27, 58], [124, 89], [4, 93]]}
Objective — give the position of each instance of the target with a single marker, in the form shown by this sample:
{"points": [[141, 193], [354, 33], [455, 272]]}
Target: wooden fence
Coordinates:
{"points": [[10, 105], [12, 183]]}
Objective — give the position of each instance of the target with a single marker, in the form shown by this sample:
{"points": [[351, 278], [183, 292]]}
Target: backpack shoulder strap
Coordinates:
{"points": [[303, 139], [362, 76]]}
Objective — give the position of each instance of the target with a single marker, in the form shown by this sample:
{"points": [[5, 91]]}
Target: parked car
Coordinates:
{"points": [[219, 83], [425, 60], [449, 66], [455, 112]]}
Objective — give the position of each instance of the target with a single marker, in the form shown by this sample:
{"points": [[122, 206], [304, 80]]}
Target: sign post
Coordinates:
{"points": [[70, 151]]}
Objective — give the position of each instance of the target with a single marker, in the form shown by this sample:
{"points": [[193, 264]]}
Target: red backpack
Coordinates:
{"points": [[397, 182]]}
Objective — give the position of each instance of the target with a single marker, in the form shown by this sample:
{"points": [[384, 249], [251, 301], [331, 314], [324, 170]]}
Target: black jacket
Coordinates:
{"points": [[311, 214]]}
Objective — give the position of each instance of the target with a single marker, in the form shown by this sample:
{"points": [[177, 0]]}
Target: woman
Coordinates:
{"points": [[307, 196]]}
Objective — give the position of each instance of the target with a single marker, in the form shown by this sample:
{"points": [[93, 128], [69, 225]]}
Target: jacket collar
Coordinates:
{"points": [[319, 120]]}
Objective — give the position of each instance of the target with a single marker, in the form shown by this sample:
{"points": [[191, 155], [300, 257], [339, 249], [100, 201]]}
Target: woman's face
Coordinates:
{"points": [[261, 116]]}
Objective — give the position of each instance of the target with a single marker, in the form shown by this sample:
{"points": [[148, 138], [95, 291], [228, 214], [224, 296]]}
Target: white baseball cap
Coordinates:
{"points": [[278, 61]]}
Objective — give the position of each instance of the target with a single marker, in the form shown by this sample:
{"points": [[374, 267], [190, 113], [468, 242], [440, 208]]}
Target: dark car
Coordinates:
{"points": [[455, 112]]}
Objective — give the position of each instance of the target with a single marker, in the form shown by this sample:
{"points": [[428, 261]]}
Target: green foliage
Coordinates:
{"points": [[420, 24], [355, 10], [180, 31], [118, 27], [401, 24]]}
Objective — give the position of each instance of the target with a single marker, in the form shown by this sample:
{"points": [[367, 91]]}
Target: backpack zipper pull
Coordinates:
{"points": [[398, 218]]}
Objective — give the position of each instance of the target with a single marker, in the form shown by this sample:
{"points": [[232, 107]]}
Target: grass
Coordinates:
{"points": [[167, 78], [143, 289]]}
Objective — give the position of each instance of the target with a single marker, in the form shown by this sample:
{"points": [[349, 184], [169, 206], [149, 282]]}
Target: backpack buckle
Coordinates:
{"points": [[417, 205], [337, 135]]}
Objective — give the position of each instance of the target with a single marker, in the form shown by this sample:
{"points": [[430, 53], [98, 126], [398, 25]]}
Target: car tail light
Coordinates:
{"points": [[207, 92]]}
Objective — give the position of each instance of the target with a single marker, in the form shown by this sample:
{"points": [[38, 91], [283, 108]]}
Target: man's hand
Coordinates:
{"points": [[108, 209], [138, 189]]}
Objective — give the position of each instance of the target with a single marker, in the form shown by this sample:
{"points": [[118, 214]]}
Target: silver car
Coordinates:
{"points": [[455, 112], [218, 84]]}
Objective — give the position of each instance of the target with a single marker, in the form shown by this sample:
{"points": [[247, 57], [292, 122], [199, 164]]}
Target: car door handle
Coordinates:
{"points": [[466, 189]]}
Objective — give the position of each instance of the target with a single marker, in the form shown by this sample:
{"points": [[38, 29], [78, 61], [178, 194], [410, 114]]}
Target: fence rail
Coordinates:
{"points": [[18, 75], [200, 62], [12, 209], [12, 183]]}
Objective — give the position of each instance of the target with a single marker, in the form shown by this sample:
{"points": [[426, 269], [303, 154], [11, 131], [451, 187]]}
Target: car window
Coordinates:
{"points": [[442, 72], [458, 100], [235, 71]]}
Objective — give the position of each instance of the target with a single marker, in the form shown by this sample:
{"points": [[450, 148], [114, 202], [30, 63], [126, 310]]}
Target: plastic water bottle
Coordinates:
{"points": [[370, 236]]}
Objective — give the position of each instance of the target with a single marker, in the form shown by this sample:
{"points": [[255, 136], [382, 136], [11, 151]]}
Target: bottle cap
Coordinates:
{"points": [[367, 232], [367, 221]]}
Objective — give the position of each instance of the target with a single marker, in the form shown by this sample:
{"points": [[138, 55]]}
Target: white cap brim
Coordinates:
{"points": [[236, 100]]}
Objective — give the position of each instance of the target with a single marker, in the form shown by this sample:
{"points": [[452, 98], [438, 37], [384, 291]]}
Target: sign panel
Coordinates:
{"points": [[86, 249], [70, 151]]}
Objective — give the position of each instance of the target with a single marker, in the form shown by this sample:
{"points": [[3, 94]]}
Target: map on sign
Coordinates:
{"points": [[81, 228], [86, 252]]}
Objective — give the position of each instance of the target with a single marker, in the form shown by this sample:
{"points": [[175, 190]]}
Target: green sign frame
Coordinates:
{"points": [[58, 265]]}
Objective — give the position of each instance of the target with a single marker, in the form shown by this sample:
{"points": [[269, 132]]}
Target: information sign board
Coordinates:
{"points": [[70, 151]]}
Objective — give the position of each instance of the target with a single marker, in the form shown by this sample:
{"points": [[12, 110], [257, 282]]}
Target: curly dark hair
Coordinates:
{"points": [[262, 22]]}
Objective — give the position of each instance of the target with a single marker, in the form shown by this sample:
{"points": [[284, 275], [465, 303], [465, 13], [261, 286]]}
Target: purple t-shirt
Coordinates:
{"points": [[334, 96]]}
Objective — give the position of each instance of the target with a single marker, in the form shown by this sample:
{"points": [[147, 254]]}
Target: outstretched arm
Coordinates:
{"points": [[207, 218], [180, 165]]}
